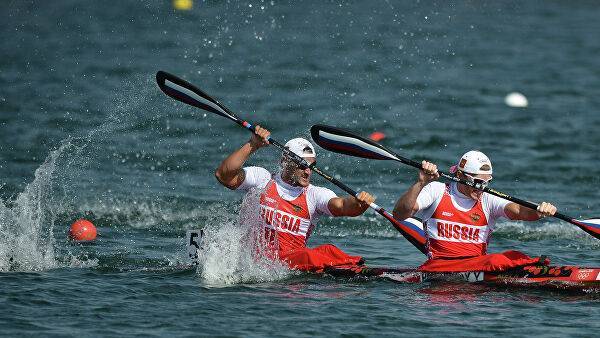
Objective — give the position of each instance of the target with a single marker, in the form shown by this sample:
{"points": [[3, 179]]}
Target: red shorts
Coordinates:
{"points": [[318, 258], [491, 262]]}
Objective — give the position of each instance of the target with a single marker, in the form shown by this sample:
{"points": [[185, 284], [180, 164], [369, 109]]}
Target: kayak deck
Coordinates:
{"points": [[533, 275]]}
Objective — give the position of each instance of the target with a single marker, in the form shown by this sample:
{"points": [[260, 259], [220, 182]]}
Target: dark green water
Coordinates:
{"points": [[84, 131]]}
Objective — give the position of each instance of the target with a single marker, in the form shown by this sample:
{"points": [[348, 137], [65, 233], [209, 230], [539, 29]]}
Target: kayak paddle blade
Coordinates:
{"points": [[591, 226], [186, 92], [344, 142], [412, 230]]}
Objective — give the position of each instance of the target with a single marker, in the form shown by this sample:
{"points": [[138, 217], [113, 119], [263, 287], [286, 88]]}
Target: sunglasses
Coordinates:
{"points": [[303, 165], [477, 181]]}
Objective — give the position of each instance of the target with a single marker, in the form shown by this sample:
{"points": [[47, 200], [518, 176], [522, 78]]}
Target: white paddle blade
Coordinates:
{"points": [[343, 142]]}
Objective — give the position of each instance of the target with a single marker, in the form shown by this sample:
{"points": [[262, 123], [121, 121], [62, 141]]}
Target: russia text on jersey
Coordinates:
{"points": [[456, 232], [284, 222]]}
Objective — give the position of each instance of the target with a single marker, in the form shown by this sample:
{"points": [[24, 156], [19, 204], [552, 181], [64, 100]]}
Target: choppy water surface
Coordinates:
{"points": [[85, 132]]}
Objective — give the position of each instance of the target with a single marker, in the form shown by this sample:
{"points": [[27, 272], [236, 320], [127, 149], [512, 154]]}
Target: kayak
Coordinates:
{"points": [[560, 277]]}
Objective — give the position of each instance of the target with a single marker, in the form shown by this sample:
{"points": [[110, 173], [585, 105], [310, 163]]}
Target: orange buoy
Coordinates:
{"points": [[82, 230], [377, 136]]}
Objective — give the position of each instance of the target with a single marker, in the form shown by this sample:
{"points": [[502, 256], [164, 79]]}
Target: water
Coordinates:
{"points": [[85, 132]]}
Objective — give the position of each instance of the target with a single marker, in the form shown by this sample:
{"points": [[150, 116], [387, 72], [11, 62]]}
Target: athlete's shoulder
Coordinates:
{"points": [[493, 200], [255, 177], [435, 188], [437, 184], [317, 189], [257, 171], [320, 191]]}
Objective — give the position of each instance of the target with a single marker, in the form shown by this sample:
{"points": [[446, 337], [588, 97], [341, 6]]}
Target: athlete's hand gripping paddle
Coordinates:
{"points": [[345, 142], [185, 92]]}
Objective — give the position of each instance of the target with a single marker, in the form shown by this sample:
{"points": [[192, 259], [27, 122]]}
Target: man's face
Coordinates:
{"points": [[479, 178], [292, 173]]}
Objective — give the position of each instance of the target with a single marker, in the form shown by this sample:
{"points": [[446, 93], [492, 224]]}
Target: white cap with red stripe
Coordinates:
{"points": [[475, 162]]}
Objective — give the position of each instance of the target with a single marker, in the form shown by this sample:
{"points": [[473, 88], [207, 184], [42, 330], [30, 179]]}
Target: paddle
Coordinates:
{"points": [[185, 92], [345, 142]]}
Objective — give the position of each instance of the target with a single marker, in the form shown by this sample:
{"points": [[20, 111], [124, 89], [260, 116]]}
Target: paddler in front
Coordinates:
{"points": [[290, 205], [459, 219]]}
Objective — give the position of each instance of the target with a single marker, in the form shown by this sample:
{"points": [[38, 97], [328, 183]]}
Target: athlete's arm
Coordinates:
{"points": [[407, 204], [230, 172], [350, 205], [516, 211]]}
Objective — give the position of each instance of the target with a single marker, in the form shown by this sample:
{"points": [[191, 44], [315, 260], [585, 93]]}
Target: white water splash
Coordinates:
{"points": [[229, 251], [27, 223]]}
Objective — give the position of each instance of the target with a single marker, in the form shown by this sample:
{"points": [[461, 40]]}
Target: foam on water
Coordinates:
{"points": [[147, 214], [535, 231], [232, 252], [362, 226]]}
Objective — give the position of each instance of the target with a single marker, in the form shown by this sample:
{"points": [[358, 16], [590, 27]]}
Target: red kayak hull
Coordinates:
{"points": [[534, 275]]}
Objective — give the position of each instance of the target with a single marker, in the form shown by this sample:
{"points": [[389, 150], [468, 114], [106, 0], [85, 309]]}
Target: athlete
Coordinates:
{"points": [[290, 205], [459, 219]]}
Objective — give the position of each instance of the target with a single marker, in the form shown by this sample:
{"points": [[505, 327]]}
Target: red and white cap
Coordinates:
{"points": [[301, 147], [475, 162]]}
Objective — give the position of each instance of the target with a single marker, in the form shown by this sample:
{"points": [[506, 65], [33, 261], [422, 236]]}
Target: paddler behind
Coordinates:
{"points": [[290, 205], [459, 219]]}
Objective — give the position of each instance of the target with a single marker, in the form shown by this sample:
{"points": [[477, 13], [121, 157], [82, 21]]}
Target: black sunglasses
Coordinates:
{"points": [[303, 165]]}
